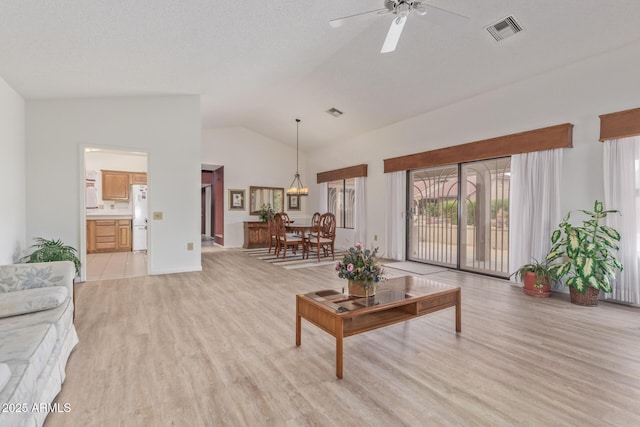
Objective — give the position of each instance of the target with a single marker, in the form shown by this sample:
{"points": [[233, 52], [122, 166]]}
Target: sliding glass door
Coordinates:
{"points": [[486, 208], [461, 226], [433, 215]]}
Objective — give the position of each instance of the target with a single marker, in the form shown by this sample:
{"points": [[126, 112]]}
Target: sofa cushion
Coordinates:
{"points": [[31, 300], [27, 351], [61, 317], [5, 374], [15, 277]]}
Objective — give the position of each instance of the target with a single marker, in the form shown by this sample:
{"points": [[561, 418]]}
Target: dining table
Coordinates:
{"points": [[305, 231], [300, 229]]}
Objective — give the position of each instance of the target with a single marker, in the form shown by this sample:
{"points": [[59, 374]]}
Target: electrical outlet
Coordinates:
{"points": [[190, 246], [157, 215]]}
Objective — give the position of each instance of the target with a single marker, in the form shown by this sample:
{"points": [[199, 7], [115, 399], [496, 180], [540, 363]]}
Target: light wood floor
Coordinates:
{"points": [[217, 348]]}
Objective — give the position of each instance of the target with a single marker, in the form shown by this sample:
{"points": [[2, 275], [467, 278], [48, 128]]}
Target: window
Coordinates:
{"points": [[342, 200]]}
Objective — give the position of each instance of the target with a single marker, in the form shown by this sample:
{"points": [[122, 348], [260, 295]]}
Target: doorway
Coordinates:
{"points": [[114, 235], [212, 205], [462, 226]]}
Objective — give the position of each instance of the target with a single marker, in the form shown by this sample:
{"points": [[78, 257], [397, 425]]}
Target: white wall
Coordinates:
{"points": [[577, 94], [12, 175], [251, 159], [167, 128]]}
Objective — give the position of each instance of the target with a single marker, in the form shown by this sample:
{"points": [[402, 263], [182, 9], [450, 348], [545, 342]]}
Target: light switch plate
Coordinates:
{"points": [[157, 215]]}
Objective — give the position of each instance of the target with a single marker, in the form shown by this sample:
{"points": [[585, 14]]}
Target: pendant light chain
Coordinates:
{"points": [[297, 142], [296, 187]]}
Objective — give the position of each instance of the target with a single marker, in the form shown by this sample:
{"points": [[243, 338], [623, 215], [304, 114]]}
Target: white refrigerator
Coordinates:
{"points": [[139, 204]]}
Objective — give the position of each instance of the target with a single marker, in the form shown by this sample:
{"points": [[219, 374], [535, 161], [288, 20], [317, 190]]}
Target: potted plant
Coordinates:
{"points": [[536, 277], [587, 255], [265, 212], [52, 250], [362, 269]]}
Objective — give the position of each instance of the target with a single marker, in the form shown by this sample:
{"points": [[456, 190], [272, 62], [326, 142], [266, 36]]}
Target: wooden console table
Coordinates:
{"points": [[256, 234], [396, 300]]}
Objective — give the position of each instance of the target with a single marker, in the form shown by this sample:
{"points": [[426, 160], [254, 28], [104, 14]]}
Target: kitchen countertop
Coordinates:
{"points": [[102, 216]]}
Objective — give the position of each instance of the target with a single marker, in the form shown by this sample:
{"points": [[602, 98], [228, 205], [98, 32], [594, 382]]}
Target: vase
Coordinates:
{"points": [[529, 280], [358, 289]]}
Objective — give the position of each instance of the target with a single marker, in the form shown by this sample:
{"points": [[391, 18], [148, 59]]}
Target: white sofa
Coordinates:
{"points": [[37, 336]]}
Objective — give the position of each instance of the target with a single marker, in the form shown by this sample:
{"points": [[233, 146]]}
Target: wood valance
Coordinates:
{"points": [[622, 124], [344, 173], [559, 136]]}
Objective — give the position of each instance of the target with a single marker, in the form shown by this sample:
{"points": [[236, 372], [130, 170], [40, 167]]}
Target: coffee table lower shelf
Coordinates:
{"points": [[342, 324]]}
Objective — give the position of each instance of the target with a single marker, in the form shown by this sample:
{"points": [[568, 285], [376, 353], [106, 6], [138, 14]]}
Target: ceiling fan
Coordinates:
{"points": [[401, 9]]}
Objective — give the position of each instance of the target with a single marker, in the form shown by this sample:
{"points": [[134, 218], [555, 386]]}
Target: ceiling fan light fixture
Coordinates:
{"points": [[296, 188], [401, 9]]}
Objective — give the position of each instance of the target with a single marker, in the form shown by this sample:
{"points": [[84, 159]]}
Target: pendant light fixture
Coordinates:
{"points": [[296, 188]]}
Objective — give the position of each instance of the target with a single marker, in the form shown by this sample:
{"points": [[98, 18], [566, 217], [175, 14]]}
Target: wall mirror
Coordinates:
{"points": [[259, 196]]}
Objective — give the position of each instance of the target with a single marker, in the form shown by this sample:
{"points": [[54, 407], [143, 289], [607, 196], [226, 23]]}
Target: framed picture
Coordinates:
{"points": [[236, 200], [294, 202]]}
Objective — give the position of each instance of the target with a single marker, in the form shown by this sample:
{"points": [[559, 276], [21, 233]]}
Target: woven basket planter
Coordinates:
{"points": [[357, 289], [589, 298]]}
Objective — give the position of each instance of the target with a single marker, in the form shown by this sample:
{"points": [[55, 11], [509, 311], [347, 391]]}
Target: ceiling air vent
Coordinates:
{"points": [[504, 28], [334, 112]]}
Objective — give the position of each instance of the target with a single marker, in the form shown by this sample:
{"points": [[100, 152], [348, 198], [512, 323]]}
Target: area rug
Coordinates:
{"points": [[290, 262], [415, 267]]}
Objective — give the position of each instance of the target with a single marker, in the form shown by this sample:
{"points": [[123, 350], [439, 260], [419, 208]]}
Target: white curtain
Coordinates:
{"points": [[395, 209], [323, 202], [621, 186], [360, 212], [534, 205]]}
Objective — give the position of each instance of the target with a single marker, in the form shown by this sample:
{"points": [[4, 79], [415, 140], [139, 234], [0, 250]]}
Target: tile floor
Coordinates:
{"points": [[116, 265]]}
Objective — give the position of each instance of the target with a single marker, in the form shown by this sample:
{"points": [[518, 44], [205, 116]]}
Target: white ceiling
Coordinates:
{"points": [[262, 63]]}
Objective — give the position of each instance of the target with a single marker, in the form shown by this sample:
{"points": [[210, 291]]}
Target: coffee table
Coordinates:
{"points": [[396, 300]]}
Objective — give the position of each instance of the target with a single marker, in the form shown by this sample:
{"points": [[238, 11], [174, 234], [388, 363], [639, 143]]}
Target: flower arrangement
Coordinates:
{"points": [[360, 265], [265, 212]]}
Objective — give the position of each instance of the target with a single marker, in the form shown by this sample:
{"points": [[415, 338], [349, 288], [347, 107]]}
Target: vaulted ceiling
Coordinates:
{"points": [[262, 63]]}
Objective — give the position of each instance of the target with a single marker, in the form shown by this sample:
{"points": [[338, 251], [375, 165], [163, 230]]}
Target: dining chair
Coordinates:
{"points": [[315, 219], [273, 233], [285, 218], [323, 237], [284, 239]]}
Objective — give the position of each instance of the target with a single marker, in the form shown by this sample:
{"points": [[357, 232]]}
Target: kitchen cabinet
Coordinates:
{"points": [[115, 185], [124, 235], [138, 178], [108, 235], [91, 237], [256, 234]]}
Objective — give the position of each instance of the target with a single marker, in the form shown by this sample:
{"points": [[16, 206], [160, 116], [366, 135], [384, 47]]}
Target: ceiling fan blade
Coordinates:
{"points": [[335, 23], [438, 15], [395, 30]]}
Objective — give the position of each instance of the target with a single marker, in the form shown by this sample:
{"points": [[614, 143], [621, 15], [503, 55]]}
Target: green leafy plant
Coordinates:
{"points": [[265, 212], [587, 252], [52, 250], [544, 274]]}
